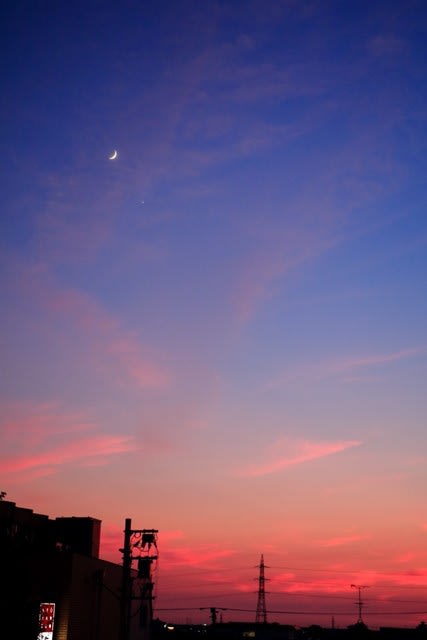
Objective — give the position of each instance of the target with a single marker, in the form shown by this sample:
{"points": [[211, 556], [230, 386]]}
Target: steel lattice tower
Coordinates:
{"points": [[359, 602], [261, 611]]}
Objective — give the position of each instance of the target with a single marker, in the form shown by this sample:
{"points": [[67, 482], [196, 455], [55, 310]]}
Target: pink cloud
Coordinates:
{"points": [[49, 438], [298, 452], [404, 558], [339, 541], [415, 577], [68, 233], [111, 348], [87, 314], [387, 45], [244, 143], [346, 365], [412, 577], [310, 224], [304, 583], [85, 450], [127, 353], [34, 423], [275, 257], [195, 557], [377, 359]]}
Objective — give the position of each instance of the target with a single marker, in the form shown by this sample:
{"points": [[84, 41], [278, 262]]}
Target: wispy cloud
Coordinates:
{"points": [[405, 558], [301, 582], [203, 556], [117, 348], [297, 452], [344, 366], [33, 424], [377, 359], [276, 257], [94, 450], [387, 45], [104, 343], [339, 541], [50, 439]]}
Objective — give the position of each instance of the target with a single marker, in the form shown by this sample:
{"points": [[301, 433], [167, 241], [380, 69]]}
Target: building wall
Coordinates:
{"points": [[79, 534], [94, 600], [44, 560]]}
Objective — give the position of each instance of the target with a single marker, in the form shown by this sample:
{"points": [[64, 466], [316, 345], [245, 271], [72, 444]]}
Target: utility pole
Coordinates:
{"points": [[261, 611], [125, 596], [139, 542], [359, 601]]}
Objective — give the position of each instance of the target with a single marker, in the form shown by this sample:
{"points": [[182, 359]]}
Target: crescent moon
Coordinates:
{"points": [[113, 155]]}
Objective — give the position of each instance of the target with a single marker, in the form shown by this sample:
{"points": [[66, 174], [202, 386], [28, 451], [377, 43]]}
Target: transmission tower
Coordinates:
{"points": [[261, 611], [359, 601]]}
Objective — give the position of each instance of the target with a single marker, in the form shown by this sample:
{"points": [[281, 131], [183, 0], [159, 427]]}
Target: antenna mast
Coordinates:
{"points": [[261, 611]]}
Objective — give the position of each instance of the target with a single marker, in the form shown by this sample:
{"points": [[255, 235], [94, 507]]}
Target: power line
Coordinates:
{"points": [[347, 572], [334, 597], [303, 613], [289, 595], [338, 571]]}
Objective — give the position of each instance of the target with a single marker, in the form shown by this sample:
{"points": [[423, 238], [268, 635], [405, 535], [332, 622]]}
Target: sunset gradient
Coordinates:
{"points": [[222, 333]]}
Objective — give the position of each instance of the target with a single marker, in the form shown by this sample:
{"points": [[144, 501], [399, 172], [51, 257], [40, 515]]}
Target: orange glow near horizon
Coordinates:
{"points": [[191, 578]]}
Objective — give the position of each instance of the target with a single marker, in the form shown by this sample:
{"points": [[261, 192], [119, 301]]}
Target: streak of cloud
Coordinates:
{"points": [[339, 541], [32, 424], [203, 556], [335, 368], [298, 452], [94, 450], [109, 347]]}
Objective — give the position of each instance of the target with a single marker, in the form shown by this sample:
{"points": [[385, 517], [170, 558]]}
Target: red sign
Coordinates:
{"points": [[46, 617]]}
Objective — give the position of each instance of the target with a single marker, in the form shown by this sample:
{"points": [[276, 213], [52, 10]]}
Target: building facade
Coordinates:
{"points": [[53, 585]]}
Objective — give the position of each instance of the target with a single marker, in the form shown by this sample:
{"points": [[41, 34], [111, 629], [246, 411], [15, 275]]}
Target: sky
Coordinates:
{"points": [[221, 333]]}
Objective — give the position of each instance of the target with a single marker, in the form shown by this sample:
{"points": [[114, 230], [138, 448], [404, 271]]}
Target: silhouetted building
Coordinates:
{"points": [[51, 573]]}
